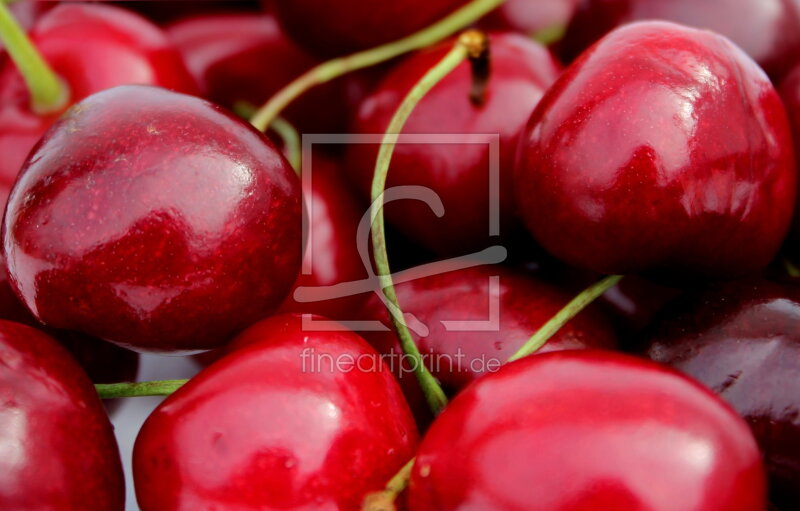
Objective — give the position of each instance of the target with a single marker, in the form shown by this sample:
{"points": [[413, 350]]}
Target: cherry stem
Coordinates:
{"points": [[291, 142], [463, 48], [572, 309], [792, 270], [48, 93], [337, 67], [384, 500], [138, 389]]}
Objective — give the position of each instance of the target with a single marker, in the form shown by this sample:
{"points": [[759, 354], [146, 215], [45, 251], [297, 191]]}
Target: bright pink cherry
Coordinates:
{"points": [[245, 58], [768, 30], [742, 340], [275, 424], [457, 169], [346, 26], [155, 220], [58, 447], [583, 430], [663, 148], [91, 47], [543, 19]]}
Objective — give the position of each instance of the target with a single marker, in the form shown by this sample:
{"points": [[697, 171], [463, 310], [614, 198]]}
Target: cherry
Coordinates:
{"points": [[587, 430], [545, 20], [155, 220], [244, 57], [165, 11], [58, 447], [663, 148], [91, 47], [742, 340], [331, 256], [521, 70], [346, 26], [277, 426], [458, 354], [768, 30], [790, 93]]}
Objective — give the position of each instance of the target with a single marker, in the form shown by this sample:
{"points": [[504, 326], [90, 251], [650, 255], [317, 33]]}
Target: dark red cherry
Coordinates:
{"points": [[331, 255], [768, 30], [346, 26], [476, 318], [790, 93], [663, 148], [742, 340], [277, 425], [58, 447], [583, 430], [165, 11], [155, 220], [458, 168], [91, 47], [246, 58]]}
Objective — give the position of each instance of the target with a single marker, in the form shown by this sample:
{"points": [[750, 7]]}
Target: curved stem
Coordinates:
{"points": [[337, 67], [434, 394], [48, 93], [384, 500], [291, 142], [138, 389], [572, 309]]}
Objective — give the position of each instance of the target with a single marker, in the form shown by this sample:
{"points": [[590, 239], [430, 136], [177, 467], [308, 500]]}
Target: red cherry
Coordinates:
{"points": [[661, 148], [90, 47], [332, 255], [742, 340], [155, 220], [58, 447], [164, 11], [768, 30], [273, 433], [582, 430], [247, 57], [346, 26], [790, 93], [521, 70]]}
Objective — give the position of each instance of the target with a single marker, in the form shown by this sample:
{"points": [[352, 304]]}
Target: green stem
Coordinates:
{"points": [[792, 270], [337, 67], [138, 389], [384, 499], [48, 94], [291, 142], [433, 392], [572, 309]]}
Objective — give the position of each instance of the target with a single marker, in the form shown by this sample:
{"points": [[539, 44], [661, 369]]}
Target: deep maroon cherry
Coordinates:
{"points": [[241, 57], [583, 430], [768, 30], [457, 169], [58, 447], [790, 93], [346, 26], [743, 341], [331, 255], [277, 425], [165, 11], [91, 47], [155, 220], [661, 148]]}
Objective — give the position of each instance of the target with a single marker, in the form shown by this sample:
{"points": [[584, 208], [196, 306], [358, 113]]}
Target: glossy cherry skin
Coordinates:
{"points": [[663, 148], [581, 430], [246, 57], [337, 28], [273, 433], [742, 340], [768, 30], [59, 451], [524, 304], [91, 47], [531, 17], [521, 70], [154, 220], [331, 256]]}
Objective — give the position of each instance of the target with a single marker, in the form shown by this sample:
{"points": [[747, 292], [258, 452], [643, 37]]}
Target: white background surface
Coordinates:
{"points": [[129, 417]]}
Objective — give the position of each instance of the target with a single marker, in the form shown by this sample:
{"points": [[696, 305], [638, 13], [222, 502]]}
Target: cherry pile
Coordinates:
{"points": [[427, 255]]}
